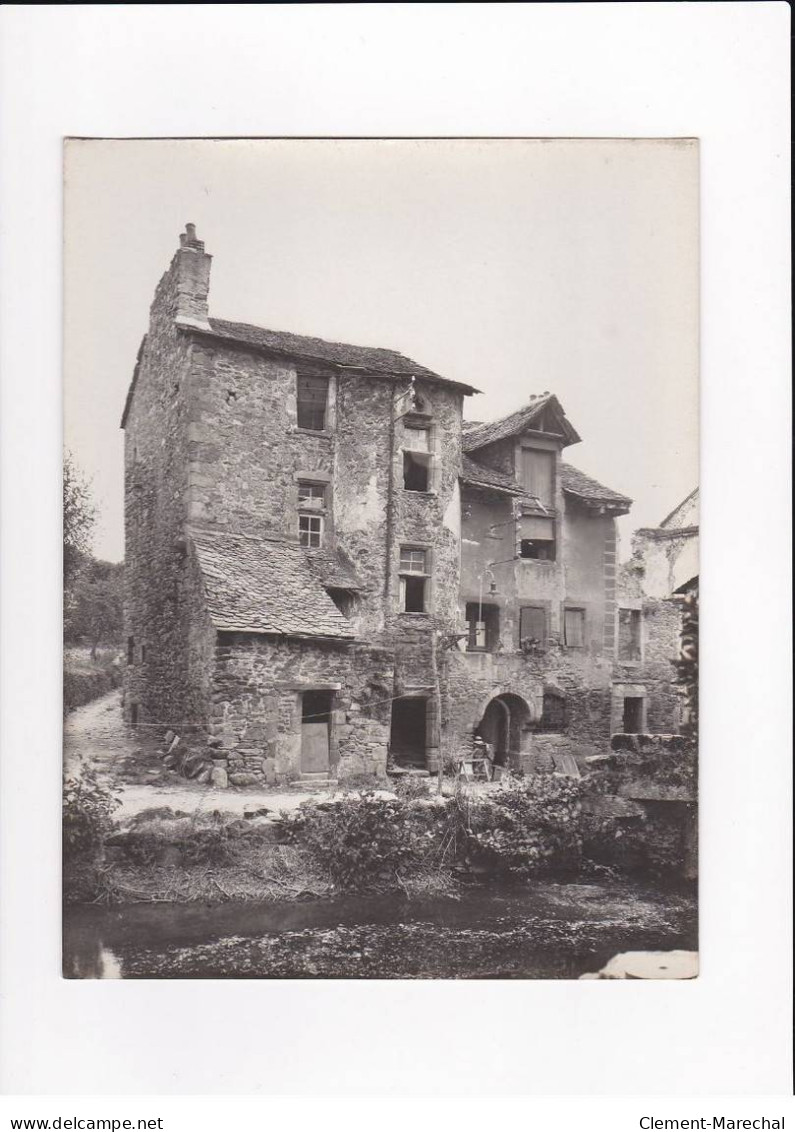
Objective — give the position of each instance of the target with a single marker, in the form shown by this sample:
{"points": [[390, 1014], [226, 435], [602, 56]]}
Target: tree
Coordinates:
{"points": [[79, 516], [93, 611]]}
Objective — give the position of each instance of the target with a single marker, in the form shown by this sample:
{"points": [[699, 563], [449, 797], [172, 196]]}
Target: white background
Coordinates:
{"points": [[715, 71]]}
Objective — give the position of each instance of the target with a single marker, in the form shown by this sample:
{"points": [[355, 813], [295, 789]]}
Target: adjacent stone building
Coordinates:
{"points": [[330, 573], [663, 568]]}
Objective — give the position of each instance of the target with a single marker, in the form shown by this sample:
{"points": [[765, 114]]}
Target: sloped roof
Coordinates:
{"points": [[368, 358], [576, 483], [480, 435], [258, 585], [333, 571], [477, 476]]}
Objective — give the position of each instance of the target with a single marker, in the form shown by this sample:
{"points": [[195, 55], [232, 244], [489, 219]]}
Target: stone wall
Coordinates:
{"points": [[470, 681], [653, 676], [255, 731], [163, 604]]}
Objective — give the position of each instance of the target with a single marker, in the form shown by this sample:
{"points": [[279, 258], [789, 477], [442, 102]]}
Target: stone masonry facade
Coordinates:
{"points": [[329, 573]]}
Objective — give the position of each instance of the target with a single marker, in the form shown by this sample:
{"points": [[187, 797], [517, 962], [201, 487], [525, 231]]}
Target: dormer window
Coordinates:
{"points": [[312, 402]]}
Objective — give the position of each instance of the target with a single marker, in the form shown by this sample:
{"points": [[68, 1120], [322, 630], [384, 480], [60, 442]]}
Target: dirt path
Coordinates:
{"points": [[96, 735]]}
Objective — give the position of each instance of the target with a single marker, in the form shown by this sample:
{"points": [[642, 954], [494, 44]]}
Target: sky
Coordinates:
{"points": [[516, 266]]}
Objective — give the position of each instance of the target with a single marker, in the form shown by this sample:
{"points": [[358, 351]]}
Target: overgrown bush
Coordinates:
{"points": [[361, 841], [88, 809], [409, 787], [533, 826]]}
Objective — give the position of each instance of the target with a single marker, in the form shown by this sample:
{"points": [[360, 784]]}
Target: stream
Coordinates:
{"points": [[537, 930]]}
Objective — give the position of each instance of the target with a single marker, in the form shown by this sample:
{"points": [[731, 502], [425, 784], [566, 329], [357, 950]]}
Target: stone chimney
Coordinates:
{"points": [[192, 271]]}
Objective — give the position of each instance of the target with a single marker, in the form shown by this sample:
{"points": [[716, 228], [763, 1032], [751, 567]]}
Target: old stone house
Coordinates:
{"points": [[329, 572]]}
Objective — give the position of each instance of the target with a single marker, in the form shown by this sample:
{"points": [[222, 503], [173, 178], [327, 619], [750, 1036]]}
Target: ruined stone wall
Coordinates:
{"points": [[653, 676], [163, 606], [255, 732]]}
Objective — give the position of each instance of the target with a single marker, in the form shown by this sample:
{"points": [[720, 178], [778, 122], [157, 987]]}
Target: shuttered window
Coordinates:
{"points": [[574, 627], [553, 715], [532, 624], [538, 474], [537, 538]]}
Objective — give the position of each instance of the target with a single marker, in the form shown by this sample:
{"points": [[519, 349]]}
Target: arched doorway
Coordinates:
{"points": [[504, 726]]}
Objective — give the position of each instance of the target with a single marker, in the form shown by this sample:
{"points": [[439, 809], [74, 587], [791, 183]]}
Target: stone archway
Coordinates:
{"points": [[505, 725]]}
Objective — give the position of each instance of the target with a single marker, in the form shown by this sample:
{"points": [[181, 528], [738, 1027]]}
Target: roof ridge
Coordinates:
{"points": [[308, 337], [490, 432]]}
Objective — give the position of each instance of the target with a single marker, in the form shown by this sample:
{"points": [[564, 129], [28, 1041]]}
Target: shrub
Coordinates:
{"points": [[361, 842], [207, 845], [530, 827], [408, 787], [88, 811]]}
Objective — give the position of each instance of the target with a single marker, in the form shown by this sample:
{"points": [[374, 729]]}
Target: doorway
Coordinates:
{"points": [[315, 729], [632, 721], [408, 734], [504, 727]]}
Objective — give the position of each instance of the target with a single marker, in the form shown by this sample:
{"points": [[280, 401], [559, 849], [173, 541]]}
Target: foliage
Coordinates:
{"points": [[673, 765], [88, 809], [360, 841], [93, 605], [531, 826], [409, 787], [686, 664], [79, 515]]}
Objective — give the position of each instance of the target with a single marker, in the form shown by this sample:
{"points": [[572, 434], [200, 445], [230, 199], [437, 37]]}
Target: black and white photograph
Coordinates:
{"points": [[381, 559], [395, 709]]}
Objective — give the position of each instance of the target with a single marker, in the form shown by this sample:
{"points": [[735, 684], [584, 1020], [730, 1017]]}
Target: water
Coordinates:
{"points": [[534, 931]]}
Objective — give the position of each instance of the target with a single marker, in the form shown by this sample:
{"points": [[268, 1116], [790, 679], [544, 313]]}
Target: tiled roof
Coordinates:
{"points": [[482, 434], [333, 571], [256, 585], [576, 483], [478, 476], [368, 358]]}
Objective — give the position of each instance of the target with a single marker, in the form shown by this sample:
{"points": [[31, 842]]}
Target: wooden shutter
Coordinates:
{"points": [[574, 627], [532, 623], [538, 474]]}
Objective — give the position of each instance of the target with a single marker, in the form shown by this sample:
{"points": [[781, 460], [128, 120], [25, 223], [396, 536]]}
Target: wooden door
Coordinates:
{"points": [[315, 726], [314, 748]]}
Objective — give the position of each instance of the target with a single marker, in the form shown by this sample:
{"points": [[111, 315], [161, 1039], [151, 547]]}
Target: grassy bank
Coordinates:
{"points": [[414, 843]]}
